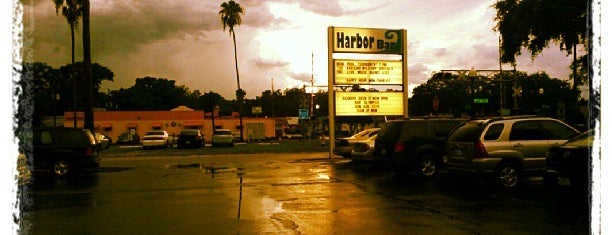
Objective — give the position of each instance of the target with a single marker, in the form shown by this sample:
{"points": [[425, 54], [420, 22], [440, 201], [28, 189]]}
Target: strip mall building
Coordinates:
{"points": [[113, 123]]}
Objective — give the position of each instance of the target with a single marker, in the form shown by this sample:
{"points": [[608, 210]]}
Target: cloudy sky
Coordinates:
{"points": [[283, 40]]}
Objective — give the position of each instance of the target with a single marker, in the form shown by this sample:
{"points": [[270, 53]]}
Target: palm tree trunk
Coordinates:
{"points": [[89, 122], [74, 81], [240, 98]]}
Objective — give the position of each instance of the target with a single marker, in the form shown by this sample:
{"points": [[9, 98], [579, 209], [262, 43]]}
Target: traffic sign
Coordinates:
{"points": [[303, 114]]}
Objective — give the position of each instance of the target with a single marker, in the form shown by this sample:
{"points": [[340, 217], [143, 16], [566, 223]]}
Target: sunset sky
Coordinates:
{"points": [[184, 40]]}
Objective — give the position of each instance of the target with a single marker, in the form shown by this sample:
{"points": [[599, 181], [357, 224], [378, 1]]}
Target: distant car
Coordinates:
{"points": [[568, 164], [156, 138], [128, 138], [103, 140], [64, 150], [344, 146], [363, 150], [508, 148], [190, 138], [222, 137]]}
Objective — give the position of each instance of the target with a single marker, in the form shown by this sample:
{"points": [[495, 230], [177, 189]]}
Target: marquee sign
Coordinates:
{"points": [[369, 103], [368, 72], [364, 40]]}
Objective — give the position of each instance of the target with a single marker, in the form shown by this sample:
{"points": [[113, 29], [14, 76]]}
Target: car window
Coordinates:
{"points": [[557, 131], [373, 133], [467, 132], [526, 130], [223, 132], [414, 128], [69, 137], [44, 137], [494, 131], [390, 130], [155, 133], [443, 128]]}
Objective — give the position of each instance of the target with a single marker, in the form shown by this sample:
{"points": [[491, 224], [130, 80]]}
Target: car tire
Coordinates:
{"points": [[61, 167], [428, 167], [508, 176]]}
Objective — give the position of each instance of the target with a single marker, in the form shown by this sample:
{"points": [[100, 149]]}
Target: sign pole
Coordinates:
{"points": [[405, 69], [330, 90]]}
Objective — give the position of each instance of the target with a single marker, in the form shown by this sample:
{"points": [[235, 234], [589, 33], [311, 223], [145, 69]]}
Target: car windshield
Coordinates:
{"points": [[223, 133], [468, 132], [189, 132], [155, 133]]}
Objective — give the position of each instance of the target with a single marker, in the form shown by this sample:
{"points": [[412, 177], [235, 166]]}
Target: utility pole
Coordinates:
{"points": [[312, 85]]}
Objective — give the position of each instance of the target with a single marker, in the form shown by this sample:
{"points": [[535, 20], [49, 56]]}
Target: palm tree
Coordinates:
{"points": [[72, 10], [230, 17], [89, 119]]}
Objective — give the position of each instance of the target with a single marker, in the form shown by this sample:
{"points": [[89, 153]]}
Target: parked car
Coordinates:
{"points": [[568, 164], [103, 140], [508, 148], [222, 137], [190, 138], [344, 146], [414, 145], [128, 138], [363, 150], [156, 138], [64, 150]]}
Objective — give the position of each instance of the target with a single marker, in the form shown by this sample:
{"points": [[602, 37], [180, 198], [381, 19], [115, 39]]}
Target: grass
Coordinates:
{"points": [[283, 146]]}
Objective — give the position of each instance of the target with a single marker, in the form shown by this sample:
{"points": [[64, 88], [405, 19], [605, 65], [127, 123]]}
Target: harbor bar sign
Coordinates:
{"points": [[369, 103], [364, 40], [368, 72]]}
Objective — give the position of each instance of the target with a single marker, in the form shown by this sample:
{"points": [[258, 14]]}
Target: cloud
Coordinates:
{"points": [[418, 73], [269, 64], [303, 77]]}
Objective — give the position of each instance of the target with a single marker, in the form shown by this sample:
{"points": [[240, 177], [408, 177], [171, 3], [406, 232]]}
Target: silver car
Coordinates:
{"points": [[222, 137], [507, 148]]}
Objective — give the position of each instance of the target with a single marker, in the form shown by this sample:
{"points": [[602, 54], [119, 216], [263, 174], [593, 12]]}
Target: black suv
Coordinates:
{"points": [[63, 150], [414, 144]]}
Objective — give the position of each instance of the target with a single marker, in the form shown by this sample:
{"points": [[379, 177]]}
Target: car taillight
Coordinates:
{"points": [[399, 147], [89, 151], [479, 150]]}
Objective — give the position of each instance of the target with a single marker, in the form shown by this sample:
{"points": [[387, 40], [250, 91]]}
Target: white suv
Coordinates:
{"points": [[507, 148]]}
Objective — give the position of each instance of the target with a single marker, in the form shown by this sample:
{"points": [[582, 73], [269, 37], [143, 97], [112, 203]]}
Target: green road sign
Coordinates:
{"points": [[481, 101]]}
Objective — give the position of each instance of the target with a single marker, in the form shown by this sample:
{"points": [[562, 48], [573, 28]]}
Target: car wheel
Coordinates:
{"points": [[428, 167], [508, 176], [61, 167]]}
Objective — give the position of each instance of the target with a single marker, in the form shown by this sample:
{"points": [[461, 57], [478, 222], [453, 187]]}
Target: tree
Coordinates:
{"points": [[534, 23], [230, 16], [36, 86], [150, 93], [539, 95], [74, 74], [72, 11]]}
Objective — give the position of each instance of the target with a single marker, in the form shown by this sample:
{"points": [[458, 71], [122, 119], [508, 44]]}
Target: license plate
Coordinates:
{"points": [[563, 181], [383, 151], [188, 142], [458, 152]]}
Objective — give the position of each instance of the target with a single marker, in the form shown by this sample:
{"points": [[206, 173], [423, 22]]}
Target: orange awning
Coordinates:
{"points": [[193, 123], [107, 125]]}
